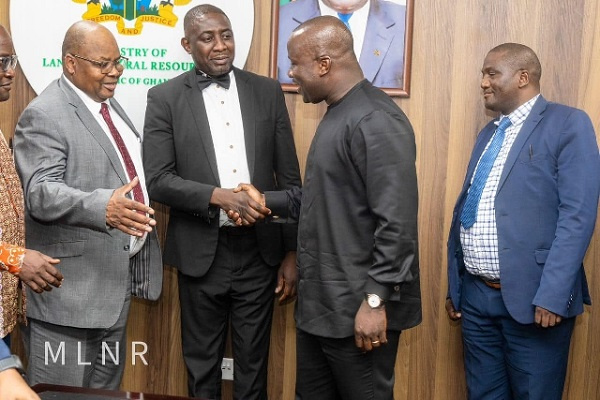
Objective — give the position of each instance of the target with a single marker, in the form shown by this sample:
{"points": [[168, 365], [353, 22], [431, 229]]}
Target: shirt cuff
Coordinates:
{"points": [[373, 287], [277, 202], [11, 258]]}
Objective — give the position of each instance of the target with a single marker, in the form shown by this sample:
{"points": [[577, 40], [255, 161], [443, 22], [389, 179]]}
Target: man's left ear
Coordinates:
{"points": [[523, 78], [186, 45], [324, 65], [69, 63]]}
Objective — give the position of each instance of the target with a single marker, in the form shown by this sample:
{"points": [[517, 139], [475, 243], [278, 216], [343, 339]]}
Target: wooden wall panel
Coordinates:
{"points": [[450, 41]]}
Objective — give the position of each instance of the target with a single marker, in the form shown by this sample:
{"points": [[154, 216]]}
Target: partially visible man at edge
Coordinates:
{"points": [[358, 285], [79, 157], [37, 270]]}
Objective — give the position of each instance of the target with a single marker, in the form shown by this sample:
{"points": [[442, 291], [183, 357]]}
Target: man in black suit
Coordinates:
{"points": [[206, 130]]}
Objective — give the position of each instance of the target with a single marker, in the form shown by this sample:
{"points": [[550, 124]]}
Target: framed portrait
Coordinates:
{"points": [[382, 32]]}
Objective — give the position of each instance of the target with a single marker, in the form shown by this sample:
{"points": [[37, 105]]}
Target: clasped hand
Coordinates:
{"points": [[39, 271], [246, 205]]}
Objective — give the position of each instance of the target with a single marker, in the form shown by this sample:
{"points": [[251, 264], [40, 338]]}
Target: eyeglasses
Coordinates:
{"points": [[106, 66], [9, 62]]}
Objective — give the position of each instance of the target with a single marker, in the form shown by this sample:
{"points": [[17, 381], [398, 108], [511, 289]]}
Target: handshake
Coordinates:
{"points": [[245, 205]]}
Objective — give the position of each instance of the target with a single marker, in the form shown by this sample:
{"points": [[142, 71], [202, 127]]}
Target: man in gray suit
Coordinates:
{"points": [[79, 157]]}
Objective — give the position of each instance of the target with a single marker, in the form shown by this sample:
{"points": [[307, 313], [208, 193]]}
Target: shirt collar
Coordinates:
{"points": [[519, 116], [90, 103]]}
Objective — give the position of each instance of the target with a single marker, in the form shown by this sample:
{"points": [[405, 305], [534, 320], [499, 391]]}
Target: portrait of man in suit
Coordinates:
{"points": [[206, 131], [80, 161], [378, 28]]}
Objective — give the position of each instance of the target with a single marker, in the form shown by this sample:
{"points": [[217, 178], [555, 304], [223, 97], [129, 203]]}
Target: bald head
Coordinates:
{"points": [[326, 36], [3, 32], [322, 59], [84, 34], [521, 57], [6, 44], [91, 59], [6, 77]]}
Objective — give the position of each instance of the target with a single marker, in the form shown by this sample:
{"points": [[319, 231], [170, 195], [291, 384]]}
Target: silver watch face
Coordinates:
{"points": [[374, 301]]}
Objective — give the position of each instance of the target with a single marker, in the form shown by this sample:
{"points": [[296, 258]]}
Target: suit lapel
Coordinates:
{"points": [[245, 94], [305, 13], [196, 101], [92, 126], [378, 37], [534, 118]]}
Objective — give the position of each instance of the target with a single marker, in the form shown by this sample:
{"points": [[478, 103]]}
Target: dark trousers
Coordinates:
{"points": [[335, 369], [239, 286], [504, 359]]}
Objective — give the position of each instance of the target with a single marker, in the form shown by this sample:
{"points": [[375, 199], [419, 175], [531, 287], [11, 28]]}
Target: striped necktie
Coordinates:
{"points": [[138, 195], [469, 211]]}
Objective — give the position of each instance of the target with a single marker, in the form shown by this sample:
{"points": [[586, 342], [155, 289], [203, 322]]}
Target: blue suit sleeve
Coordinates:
{"points": [[578, 186]]}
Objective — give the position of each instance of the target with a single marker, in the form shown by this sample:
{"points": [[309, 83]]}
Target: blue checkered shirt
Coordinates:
{"points": [[480, 242]]}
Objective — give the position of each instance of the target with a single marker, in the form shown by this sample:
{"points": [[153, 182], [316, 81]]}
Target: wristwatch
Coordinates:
{"points": [[373, 300], [12, 362]]}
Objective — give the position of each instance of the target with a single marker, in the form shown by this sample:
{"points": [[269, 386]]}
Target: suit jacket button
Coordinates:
{"points": [[126, 248], [397, 288]]}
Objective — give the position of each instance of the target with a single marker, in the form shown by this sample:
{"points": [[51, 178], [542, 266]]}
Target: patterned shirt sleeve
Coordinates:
{"points": [[11, 258]]}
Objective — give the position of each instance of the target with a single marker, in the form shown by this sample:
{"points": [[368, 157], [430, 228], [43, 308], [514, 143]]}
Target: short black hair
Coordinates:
{"points": [[197, 12], [521, 57]]}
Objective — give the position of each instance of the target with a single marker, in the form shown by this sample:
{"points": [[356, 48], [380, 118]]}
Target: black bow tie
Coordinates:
{"points": [[205, 80]]}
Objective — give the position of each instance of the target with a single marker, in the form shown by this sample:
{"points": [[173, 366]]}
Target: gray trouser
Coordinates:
{"points": [[64, 355]]}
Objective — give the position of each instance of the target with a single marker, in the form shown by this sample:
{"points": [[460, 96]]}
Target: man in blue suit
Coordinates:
{"points": [[379, 25], [520, 230]]}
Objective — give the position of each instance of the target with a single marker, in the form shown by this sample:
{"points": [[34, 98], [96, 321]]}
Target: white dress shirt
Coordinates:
{"points": [[227, 131]]}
